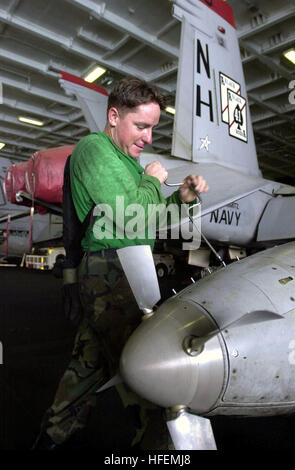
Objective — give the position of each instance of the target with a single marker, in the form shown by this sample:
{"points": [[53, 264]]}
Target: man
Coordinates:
{"points": [[104, 170]]}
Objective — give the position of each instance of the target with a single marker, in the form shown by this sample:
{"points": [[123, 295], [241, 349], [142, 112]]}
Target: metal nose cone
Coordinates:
{"points": [[154, 363]]}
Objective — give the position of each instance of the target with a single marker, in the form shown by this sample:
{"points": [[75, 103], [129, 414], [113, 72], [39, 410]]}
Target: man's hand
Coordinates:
{"points": [[157, 170], [190, 184]]}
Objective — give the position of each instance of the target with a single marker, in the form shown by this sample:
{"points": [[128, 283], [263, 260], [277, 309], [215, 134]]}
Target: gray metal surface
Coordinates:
{"points": [[237, 221], [241, 288], [93, 105], [139, 268], [277, 283], [202, 33], [243, 209], [278, 220], [261, 367], [231, 213], [156, 366], [260, 371], [247, 366], [234, 184], [191, 432]]}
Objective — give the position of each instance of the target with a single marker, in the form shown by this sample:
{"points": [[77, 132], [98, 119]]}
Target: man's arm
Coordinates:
{"points": [[106, 179]]}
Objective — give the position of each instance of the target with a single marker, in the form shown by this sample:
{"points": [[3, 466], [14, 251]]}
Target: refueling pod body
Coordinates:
{"points": [[224, 345]]}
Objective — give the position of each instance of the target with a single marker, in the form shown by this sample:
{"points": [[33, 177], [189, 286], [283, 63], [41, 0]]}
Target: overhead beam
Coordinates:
{"points": [[268, 22], [38, 91], [27, 145], [71, 46], [100, 12], [278, 139], [15, 156], [19, 105], [25, 130], [261, 57], [268, 125]]}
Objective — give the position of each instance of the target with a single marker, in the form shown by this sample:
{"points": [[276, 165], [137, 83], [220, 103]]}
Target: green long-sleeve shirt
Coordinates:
{"points": [[101, 173]]}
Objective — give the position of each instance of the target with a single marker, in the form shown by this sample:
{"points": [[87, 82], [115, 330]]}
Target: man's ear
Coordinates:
{"points": [[113, 116]]}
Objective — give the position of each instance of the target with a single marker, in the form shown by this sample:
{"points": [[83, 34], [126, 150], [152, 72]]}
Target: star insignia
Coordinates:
{"points": [[205, 143]]}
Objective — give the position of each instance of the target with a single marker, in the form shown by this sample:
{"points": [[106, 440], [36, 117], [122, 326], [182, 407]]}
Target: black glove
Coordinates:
{"points": [[58, 267], [72, 306]]}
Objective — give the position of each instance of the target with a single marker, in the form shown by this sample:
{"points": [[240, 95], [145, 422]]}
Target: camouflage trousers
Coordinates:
{"points": [[110, 316]]}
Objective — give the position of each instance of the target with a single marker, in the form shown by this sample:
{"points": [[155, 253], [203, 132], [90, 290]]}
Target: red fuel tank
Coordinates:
{"points": [[44, 173], [15, 180]]}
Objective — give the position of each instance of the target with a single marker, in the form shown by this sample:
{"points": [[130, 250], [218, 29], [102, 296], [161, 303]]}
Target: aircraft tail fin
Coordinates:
{"points": [[212, 121]]}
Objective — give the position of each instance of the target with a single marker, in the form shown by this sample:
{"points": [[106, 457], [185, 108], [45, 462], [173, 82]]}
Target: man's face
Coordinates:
{"points": [[132, 129]]}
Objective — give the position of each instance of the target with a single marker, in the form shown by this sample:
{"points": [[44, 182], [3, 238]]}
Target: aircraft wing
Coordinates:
{"points": [[226, 185]]}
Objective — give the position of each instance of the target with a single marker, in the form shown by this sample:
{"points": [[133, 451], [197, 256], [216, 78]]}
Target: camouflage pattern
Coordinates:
{"points": [[110, 316]]}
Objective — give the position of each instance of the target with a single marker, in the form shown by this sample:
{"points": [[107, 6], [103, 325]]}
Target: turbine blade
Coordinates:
{"points": [[191, 432], [116, 380], [139, 267]]}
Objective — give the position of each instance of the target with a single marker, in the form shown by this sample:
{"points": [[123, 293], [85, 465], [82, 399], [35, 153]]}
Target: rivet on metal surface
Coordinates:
{"points": [[193, 345]]}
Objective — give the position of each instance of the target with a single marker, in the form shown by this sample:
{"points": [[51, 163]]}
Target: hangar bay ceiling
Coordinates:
{"points": [[140, 38]]}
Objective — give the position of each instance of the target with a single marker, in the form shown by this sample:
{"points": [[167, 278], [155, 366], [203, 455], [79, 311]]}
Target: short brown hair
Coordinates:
{"points": [[130, 92]]}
